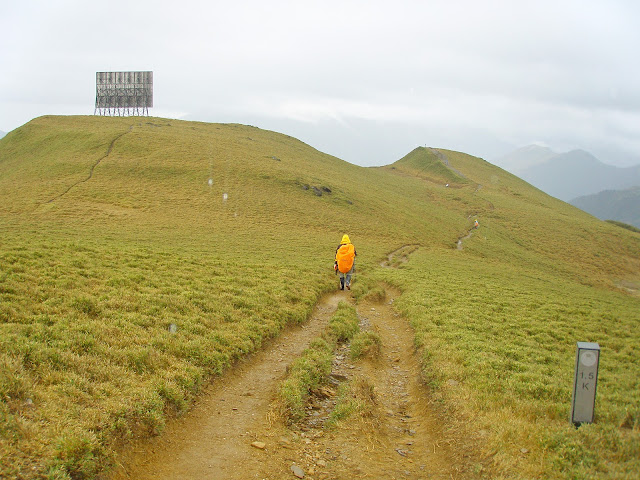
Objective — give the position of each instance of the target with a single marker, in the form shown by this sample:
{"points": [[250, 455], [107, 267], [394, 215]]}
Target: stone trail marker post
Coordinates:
{"points": [[585, 382]]}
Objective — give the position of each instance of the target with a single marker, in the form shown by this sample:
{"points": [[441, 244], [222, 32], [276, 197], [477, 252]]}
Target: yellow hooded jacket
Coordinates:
{"points": [[345, 254]]}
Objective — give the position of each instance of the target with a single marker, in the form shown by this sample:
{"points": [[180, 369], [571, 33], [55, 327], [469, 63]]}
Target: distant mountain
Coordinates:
{"points": [[518, 161], [621, 205], [578, 173]]}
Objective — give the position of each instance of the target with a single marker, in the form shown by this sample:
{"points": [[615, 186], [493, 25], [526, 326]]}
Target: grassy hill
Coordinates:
{"points": [[141, 256]]}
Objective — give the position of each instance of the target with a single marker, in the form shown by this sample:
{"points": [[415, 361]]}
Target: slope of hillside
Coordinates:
{"points": [[578, 173], [430, 164], [139, 257], [621, 205]]}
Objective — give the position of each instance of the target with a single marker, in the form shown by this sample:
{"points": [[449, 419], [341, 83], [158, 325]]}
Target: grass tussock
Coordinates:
{"points": [[365, 344], [356, 398], [314, 365], [344, 323], [377, 294], [306, 373], [498, 347]]}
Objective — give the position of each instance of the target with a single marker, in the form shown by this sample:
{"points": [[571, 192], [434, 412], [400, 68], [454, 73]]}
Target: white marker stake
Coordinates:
{"points": [[585, 382]]}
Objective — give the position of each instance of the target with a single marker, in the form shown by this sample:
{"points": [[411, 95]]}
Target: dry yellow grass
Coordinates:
{"points": [[140, 256]]}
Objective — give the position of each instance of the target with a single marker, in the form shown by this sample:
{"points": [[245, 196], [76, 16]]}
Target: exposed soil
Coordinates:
{"points": [[443, 158], [399, 256], [468, 235], [399, 437], [462, 239]]}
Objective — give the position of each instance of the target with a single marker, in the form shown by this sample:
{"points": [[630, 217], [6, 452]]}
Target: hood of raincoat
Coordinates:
{"points": [[345, 239]]}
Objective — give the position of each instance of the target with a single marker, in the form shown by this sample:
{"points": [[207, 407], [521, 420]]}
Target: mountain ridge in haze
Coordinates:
{"points": [[525, 157], [568, 175], [621, 205], [578, 173]]}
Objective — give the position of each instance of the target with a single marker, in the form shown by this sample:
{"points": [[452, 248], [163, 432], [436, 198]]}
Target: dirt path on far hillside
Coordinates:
{"points": [[399, 256], [462, 239], [469, 233], [398, 436]]}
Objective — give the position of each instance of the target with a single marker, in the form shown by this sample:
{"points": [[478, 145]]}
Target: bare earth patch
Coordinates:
{"points": [[232, 433]]}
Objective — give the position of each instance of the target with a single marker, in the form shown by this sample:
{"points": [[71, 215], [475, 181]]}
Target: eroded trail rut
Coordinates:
{"points": [[399, 438], [213, 440]]}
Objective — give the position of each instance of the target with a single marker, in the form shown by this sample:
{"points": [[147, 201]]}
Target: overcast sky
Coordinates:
{"points": [[366, 81]]}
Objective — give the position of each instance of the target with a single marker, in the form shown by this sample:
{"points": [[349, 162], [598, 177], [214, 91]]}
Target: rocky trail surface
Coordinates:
{"points": [[232, 432]]}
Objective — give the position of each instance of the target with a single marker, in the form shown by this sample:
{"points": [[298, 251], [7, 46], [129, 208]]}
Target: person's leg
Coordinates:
{"points": [[341, 281], [349, 273]]}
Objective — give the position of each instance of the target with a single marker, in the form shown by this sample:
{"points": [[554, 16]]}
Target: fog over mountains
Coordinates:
{"points": [[577, 177], [2, 134], [519, 160], [578, 173]]}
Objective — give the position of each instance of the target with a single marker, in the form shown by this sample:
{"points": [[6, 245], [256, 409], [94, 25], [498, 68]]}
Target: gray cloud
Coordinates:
{"points": [[363, 80]]}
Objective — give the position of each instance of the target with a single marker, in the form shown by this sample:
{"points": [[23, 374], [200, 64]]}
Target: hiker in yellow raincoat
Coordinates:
{"points": [[345, 262]]}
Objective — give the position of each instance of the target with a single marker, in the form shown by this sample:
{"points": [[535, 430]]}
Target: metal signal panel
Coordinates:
{"points": [[123, 93]]}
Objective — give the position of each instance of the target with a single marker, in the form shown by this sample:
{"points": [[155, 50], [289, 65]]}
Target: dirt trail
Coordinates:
{"points": [[462, 239], [443, 158], [398, 437], [469, 232], [213, 439], [399, 256]]}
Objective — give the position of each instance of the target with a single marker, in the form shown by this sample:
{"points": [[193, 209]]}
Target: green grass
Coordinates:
{"points": [[426, 163], [110, 233], [507, 335]]}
